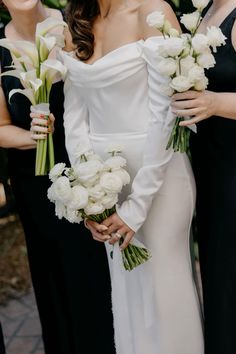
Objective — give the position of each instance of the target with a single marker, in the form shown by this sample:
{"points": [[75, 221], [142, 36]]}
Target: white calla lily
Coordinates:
{"points": [[22, 63], [35, 84], [47, 25], [29, 50], [29, 75], [11, 46], [46, 44], [14, 73], [60, 39], [29, 93], [52, 69]]}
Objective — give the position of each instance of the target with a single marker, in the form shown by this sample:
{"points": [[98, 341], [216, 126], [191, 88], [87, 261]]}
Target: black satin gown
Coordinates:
{"points": [[213, 151], [69, 269]]}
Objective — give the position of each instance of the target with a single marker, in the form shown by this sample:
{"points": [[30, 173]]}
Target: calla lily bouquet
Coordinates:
{"points": [[37, 72], [90, 191], [184, 59]]}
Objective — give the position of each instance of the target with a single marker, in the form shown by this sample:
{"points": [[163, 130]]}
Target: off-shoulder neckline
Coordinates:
{"points": [[107, 55]]}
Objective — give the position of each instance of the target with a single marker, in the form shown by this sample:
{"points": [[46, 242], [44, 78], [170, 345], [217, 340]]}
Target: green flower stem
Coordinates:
{"points": [[40, 156], [129, 259], [44, 158], [51, 151], [179, 137]]}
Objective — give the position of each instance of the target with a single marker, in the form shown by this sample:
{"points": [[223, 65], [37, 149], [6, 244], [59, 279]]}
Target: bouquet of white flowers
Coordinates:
{"points": [[90, 190], [184, 58], [37, 72]]}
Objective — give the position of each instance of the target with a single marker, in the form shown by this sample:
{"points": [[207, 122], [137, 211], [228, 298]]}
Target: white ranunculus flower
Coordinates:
{"points": [[166, 90], [62, 189], [96, 192], [200, 43], [69, 172], [94, 208], [123, 174], [196, 73], [167, 66], [173, 32], [191, 21], [89, 170], [60, 210], [111, 183], [173, 46], [200, 4], [156, 19], [215, 37], [57, 171], [181, 83], [201, 85], [79, 198], [51, 194], [82, 148], [186, 65], [115, 162], [73, 216], [167, 27], [109, 201], [206, 60]]}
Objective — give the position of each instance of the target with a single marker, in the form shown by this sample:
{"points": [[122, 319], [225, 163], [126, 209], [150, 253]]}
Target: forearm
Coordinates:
{"points": [[15, 137], [225, 104]]}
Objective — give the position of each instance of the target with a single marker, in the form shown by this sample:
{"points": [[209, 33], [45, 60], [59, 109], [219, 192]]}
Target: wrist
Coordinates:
{"points": [[217, 102]]}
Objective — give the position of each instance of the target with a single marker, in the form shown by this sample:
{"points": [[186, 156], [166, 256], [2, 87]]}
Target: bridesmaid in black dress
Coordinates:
{"points": [[69, 270], [213, 151]]}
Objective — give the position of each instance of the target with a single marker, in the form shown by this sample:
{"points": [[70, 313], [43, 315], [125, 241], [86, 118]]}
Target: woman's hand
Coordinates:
{"points": [[117, 229], [98, 231], [194, 104], [41, 126]]}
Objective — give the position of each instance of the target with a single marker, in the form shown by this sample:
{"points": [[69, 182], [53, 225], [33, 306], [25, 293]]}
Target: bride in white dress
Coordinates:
{"points": [[113, 95]]}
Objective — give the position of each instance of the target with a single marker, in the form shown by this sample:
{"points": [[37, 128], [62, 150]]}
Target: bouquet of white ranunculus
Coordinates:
{"points": [[37, 72], [184, 58], [90, 190]]}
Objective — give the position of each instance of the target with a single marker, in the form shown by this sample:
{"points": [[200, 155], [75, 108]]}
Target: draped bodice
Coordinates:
{"points": [[114, 88]]}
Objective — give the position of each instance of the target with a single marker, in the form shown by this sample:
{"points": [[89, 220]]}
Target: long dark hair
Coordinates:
{"points": [[80, 15]]}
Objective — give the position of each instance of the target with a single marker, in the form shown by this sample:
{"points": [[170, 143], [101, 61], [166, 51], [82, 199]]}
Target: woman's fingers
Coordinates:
{"points": [[188, 112], [128, 237], [41, 123], [39, 129], [188, 95], [116, 236], [97, 231]]}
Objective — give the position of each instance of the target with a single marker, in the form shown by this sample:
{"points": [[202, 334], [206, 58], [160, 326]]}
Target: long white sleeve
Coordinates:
{"points": [[75, 120], [151, 175]]}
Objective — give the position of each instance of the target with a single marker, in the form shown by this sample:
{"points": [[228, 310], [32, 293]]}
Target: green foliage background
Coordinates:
{"points": [[180, 6]]}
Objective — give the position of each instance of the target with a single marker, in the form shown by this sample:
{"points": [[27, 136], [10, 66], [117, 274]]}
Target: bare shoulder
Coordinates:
{"points": [[148, 6]]}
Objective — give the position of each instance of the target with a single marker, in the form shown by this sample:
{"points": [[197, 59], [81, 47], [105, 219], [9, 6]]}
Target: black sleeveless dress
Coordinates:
{"points": [[69, 269], [213, 151]]}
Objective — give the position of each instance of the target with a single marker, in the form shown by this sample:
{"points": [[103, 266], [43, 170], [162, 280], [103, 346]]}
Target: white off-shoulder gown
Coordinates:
{"points": [[118, 99]]}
